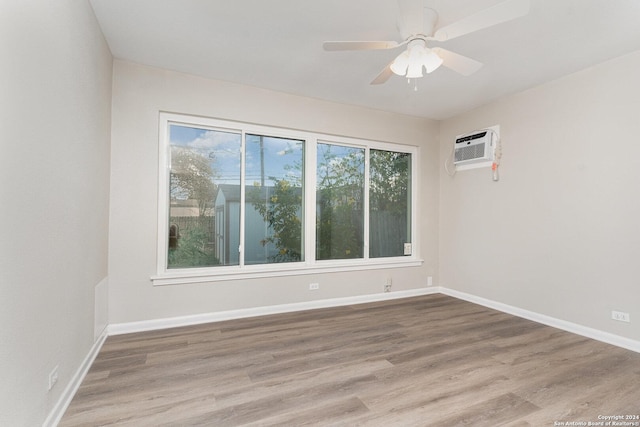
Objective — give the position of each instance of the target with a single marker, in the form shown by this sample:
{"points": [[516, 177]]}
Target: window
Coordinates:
{"points": [[240, 199], [339, 202], [203, 216], [389, 203], [273, 200]]}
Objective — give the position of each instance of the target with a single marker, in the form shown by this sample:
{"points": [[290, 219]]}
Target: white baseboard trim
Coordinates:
{"points": [[72, 387], [155, 324], [575, 328]]}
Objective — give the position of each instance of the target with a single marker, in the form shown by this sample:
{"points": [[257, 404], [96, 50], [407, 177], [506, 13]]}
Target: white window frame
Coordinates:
{"points": [[309, 265]]}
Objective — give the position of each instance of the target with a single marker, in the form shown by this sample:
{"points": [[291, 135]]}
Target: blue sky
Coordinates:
{"points": [[223, 148]]}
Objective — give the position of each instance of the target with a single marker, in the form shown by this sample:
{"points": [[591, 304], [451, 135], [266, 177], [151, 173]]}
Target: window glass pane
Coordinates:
{"points": [[389, 203], [204, 211], [273, 208], [339, 202]]}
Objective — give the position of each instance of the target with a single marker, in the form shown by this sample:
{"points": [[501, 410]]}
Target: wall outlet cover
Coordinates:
{"points": [[620, 316], [407, 249]]}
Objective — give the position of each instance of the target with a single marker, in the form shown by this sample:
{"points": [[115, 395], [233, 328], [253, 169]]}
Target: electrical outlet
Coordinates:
{"points": [[53, 377], [314, 286], [407, 249], [388, 284], [429, 281], [620, 316]]}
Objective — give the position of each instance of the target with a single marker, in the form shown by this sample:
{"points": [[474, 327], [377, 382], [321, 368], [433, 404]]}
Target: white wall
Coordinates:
{"points": [[55, 86], [560, 233], [139, 93], [557, 235]]}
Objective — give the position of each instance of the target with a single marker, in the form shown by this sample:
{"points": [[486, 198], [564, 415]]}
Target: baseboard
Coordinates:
{"points": [[150, 325], [155, 324], [67, 395], [575, 328]]}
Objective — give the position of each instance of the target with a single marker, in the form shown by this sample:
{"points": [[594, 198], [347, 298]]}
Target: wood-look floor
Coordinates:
{"points": [[425, 361]]}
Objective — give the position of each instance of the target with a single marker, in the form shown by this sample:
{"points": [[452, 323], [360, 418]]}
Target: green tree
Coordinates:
{"points": [[340, 193], [192, 251], [389, 203], [281, 211], [339, 202], [192, 178], [389, 181]]}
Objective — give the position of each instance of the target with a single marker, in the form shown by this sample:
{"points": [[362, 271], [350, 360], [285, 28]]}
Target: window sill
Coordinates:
{"points": [[278, 270]]}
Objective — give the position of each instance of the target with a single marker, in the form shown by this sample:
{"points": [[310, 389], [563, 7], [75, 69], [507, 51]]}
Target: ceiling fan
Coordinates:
{"points": [[417, 25]]}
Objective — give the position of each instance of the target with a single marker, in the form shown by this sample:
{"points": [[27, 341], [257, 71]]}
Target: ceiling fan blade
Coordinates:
{"points": [[497, 14], [355, 45], [458, 63], [416, 18], [410, 19], [383, 76]]}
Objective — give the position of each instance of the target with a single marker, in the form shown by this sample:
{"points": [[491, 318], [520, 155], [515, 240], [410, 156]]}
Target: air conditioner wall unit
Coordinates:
{"points": [[474, 149]]}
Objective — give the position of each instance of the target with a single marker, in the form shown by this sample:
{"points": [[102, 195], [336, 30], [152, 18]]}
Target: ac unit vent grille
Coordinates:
{"points": [[469, 152]]}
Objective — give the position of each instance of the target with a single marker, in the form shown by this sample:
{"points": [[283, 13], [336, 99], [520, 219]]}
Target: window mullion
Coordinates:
{"points": [[413, 206], [163, 196], [243, 155], [365, 202], [310, 159]]}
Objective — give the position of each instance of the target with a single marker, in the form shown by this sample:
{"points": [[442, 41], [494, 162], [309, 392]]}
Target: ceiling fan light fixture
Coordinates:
{"points": [[416, 50], [410, 62], [431, 60], [415, 70], [400, 64]]}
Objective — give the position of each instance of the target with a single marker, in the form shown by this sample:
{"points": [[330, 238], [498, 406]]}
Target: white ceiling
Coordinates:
{"points": [[277, 44]]}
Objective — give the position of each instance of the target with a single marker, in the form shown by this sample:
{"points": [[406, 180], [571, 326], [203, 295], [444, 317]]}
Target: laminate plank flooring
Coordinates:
{"points": [[424, 361]]}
